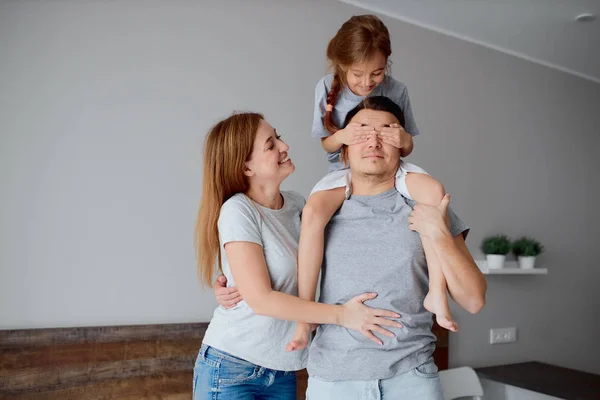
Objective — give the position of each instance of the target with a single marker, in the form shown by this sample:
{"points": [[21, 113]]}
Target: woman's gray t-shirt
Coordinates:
{"points": [[259, 339]]}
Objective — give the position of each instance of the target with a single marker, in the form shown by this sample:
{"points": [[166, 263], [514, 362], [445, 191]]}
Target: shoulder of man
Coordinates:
{"points": [[457, 225], [411, 203]]}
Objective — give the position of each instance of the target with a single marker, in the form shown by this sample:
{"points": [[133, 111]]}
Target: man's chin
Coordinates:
{"points": [[372, 171]]}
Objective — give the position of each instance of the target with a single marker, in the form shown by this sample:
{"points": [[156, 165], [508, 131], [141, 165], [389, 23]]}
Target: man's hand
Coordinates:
{"points": [[431, 222]]}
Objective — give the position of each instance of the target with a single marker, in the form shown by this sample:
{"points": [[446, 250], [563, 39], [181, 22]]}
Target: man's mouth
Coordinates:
{"points": [[285, 159]]}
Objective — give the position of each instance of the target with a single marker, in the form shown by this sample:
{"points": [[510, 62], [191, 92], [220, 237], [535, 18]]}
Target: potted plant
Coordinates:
{"points": [[495, 249], [527, 249]]}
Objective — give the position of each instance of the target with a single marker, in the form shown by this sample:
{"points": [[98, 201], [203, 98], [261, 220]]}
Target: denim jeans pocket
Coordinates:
{"points": [[202, 359], [427, 370], [205, 377], [233, 373]]}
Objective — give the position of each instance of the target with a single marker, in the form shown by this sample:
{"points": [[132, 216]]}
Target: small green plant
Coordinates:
{"points": [[497, 244], [527, 247]]}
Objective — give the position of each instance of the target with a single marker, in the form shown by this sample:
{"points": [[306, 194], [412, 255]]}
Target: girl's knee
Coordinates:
{"points": [[321, 206], [425, 189]]}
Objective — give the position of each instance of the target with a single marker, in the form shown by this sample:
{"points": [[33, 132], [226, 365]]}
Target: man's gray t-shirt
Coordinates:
{"points": [[369, 248], [391, 88]]}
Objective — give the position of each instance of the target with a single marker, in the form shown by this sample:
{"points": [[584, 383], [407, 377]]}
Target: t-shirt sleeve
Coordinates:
{"points": [[298, 200], [401, 93], [318, 130], [457, 225], [239, 222]]}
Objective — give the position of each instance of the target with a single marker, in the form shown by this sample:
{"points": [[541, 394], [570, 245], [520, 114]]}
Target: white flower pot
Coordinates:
{"points": [[527, 262], [495, 261]]}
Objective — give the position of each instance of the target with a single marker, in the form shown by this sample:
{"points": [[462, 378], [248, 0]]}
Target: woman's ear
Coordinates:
{"points": [[247, 170]]}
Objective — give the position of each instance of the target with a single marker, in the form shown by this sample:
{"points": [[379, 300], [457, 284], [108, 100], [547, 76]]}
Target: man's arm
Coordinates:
{"points": [[466, 283]]}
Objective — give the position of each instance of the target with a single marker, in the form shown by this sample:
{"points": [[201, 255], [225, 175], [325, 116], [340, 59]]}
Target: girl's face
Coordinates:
{"points": [[269, 162], [365, 76]]}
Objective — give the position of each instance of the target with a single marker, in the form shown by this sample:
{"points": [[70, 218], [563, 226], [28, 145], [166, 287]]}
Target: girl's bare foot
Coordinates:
{"points": [[301, 337], [438, 305]]}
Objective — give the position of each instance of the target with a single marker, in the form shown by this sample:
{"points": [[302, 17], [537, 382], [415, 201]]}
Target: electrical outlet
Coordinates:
{"points": [[503, 335]]}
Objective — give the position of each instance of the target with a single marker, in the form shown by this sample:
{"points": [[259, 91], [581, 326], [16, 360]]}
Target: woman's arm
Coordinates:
{"points": [[251, 275]]}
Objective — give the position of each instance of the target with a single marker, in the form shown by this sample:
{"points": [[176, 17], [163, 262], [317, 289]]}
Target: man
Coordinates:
{"points": [[374, 244]]}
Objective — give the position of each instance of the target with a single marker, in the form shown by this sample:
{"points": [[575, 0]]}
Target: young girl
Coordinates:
{"points": [[358, 55]]}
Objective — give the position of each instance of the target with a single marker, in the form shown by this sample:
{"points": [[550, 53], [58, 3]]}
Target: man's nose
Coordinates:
{"points": [[374, 140]]}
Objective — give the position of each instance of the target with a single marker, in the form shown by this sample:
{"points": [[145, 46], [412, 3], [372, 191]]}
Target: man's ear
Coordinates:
{"points": [[344, 155], [247, 170]]}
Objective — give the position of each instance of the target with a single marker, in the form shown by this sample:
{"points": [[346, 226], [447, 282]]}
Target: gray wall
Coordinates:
{"points": [[103, 106], [515, 144]]}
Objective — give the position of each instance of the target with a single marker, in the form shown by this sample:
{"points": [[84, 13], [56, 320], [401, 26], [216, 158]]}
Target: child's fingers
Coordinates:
{"points": [[394, 140], [364, 129], [360, 137], [396, 126], [389, 131]]}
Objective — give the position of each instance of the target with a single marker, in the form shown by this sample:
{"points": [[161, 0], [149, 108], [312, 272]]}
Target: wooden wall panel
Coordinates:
{"points": [[114, 362]]}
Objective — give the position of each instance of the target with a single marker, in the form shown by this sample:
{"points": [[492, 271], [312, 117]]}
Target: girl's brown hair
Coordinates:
{"points": [[227, 147], [358, 40]]}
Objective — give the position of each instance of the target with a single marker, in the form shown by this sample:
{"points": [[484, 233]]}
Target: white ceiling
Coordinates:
{"points": [[542, 31]]}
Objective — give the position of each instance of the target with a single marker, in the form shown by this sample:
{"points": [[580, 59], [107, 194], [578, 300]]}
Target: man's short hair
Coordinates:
{"points": [[377, 103]]}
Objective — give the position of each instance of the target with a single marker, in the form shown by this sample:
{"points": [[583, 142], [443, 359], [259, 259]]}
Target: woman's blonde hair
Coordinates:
{"points": [[227, 147]]}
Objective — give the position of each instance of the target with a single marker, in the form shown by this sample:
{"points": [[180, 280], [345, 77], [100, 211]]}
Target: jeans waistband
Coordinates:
{"points": [[206, 349], [211, 351]]}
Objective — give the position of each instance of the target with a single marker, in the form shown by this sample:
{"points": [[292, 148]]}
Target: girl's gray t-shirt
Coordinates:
{"points": [[259, 339]]}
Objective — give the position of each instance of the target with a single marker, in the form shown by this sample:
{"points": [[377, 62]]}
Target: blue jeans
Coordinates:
{"points": [[219, 375], [420, 383]]}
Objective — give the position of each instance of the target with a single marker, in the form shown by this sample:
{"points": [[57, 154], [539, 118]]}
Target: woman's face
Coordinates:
{"points": [[269, 161]]}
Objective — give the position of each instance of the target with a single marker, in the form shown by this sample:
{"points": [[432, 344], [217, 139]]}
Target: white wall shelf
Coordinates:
{"points": [[510, 268]]}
